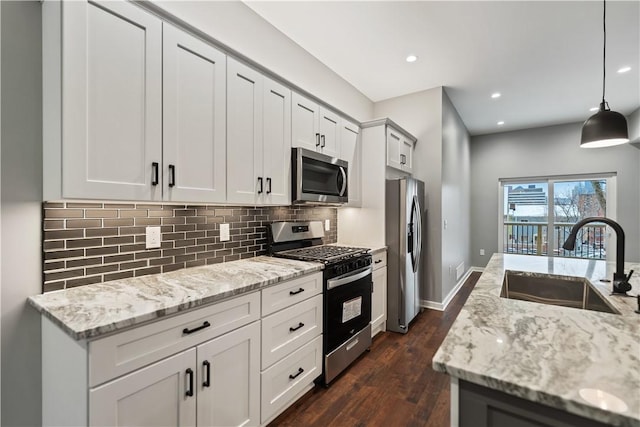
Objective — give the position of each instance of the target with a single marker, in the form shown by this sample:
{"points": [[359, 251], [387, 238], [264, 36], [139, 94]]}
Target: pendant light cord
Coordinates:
{"points": [[604, 48]]}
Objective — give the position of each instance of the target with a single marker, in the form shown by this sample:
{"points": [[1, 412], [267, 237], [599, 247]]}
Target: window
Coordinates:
{"points": [[538, 214]]}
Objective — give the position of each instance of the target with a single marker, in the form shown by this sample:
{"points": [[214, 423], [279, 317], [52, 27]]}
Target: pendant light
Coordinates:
{"points": [[605, 128]]}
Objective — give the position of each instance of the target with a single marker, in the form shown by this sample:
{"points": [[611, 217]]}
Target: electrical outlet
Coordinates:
{"points": [[482, 252], [445, 224], [224, 232], [153, 237], [327, 225]]}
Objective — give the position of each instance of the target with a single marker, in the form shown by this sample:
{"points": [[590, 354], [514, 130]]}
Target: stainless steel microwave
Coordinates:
{"points": [[318, 178]]}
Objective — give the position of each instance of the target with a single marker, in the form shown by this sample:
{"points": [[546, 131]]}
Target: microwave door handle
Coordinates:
{"points": [[344, 181]]}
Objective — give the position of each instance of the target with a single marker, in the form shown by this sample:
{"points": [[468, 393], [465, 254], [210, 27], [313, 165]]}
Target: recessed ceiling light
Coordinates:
{"points": [[593, 109], [496, 95], [500, 123], [624, 69], [412, 58]]}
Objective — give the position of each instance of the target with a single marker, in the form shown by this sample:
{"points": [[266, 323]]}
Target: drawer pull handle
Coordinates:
{"points": [[189, 392], [300, 325], [207, 368], [296, 292], [293, 377], [187, 331], [352, 344], [378, 261]]}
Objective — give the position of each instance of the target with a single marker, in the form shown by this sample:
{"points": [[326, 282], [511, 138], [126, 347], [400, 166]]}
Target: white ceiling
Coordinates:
{"points": [[545, 57]]}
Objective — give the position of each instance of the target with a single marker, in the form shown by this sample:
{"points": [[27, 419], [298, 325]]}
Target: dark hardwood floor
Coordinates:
{"points": [[393, 385]]}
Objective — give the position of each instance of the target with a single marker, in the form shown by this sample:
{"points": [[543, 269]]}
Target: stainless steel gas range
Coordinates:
{"points": [[347, 290]]}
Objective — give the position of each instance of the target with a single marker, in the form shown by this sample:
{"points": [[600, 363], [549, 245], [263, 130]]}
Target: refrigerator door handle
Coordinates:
{"points": [[417, 220]]}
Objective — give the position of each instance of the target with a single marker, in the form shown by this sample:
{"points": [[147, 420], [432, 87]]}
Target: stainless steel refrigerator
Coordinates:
{"points": [[404, 225]]}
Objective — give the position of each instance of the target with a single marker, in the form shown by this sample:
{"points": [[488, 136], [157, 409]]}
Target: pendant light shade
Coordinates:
{"points": [[606, 128]]}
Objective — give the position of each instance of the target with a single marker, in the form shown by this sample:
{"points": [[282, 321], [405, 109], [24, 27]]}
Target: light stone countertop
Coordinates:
{"points": [[546, 353], [93, 310]]}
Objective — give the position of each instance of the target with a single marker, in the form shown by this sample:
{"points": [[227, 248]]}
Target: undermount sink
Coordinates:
{"points": [[572, 292]]}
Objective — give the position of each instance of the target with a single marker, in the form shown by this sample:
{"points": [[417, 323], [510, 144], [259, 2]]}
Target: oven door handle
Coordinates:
{"points": [[334, 283]]}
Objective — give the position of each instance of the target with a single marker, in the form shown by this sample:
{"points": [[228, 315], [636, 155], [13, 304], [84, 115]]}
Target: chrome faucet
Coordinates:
{"points": [[620, 280]]}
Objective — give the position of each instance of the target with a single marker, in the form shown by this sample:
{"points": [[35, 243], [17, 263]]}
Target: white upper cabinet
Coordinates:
{"points": [[399, 150], [194, 85], [350, 151], [277, 143], [245, 183], [305, 116], [111, 100], [313, 127], [258, 138]]}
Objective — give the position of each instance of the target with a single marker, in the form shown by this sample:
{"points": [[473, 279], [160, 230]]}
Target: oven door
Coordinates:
{"points": [[347, 306], [319, 178]]}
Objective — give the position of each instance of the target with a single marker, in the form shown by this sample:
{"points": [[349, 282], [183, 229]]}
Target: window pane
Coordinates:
{"points": [[525, 218], [574, 201]]}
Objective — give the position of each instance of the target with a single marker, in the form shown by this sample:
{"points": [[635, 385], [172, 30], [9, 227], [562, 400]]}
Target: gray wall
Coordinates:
{"points": [[547, 151], [420, 113], [456, 203], [441, 160], [21, 180]]}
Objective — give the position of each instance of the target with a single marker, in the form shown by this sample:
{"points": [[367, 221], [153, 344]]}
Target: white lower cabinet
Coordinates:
{"points": [[219, 378], [151, 396], [285, 380], [291, 342], [228, 374], [379, 296], [222, 364]]}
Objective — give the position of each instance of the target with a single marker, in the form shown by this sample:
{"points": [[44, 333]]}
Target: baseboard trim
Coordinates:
{"points": [[441, 306]]}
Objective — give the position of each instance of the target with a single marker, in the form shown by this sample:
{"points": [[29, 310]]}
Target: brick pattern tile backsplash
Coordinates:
{"points": [[85, 243]]}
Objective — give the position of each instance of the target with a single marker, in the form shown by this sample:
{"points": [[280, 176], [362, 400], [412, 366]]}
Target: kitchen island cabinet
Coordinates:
{"points": [[580, 362]]}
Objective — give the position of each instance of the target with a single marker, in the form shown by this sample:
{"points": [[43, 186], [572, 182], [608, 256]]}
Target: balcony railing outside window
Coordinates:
{"points": [[532, 238]]}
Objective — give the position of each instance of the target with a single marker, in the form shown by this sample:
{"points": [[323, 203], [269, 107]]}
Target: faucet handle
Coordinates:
{"points": [[629, 275]]}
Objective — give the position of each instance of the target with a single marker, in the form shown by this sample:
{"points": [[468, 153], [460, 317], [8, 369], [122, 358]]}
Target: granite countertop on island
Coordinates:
{"points": [[549, 354], [93, 310]]}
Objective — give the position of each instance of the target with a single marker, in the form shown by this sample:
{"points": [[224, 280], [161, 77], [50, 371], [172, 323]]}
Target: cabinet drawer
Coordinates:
{"points": [[380, 260], [291, 292], [286, 330], [278, 386], [124, 352]]}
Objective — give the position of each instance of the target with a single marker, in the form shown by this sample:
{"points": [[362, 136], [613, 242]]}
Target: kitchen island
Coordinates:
{"points": [[572, 361]]}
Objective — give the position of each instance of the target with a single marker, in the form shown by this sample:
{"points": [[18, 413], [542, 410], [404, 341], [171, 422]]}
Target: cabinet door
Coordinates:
{"points": [[379, 300], [304, 123], [329, 133], [406, 149], [151, 396], [394, 142], [350, 151], [194, 119], [245, 180], [112, 100], [277, 143], [229, 381]]}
